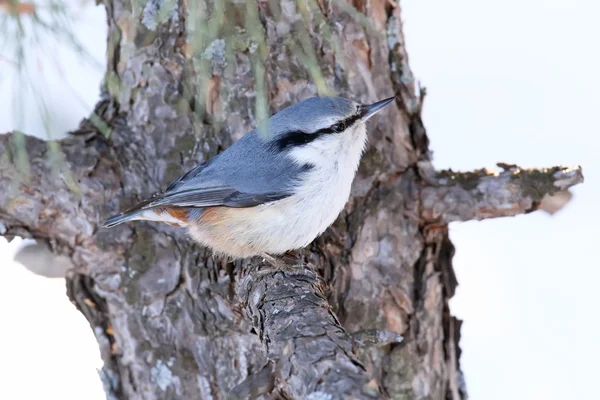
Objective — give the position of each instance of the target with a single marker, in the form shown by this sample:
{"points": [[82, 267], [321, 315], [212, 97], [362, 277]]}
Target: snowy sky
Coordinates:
{"points": [[514, 81]]}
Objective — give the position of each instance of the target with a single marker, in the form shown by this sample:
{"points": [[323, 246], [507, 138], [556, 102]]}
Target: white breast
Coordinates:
{"points": [[295, 221], [326, 188]]}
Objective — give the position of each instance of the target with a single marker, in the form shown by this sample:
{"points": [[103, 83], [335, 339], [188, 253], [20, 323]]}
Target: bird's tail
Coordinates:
{"points": [[119, 219], [134, 213]]}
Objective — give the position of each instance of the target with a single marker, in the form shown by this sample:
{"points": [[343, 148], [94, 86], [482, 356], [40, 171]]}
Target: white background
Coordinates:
{"points": [[514, 81]]}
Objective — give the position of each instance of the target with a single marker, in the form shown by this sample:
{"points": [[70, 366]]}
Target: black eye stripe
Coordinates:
{"points": [[347, 123], [300, 138], [295, 138]]}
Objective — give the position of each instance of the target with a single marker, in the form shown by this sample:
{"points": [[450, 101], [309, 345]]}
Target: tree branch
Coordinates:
{"points": [[312, 354], [58, 191], [39, 185], [482, 194]]}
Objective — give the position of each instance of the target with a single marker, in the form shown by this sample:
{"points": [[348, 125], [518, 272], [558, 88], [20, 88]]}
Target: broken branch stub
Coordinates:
{"points": [[482, 194]]}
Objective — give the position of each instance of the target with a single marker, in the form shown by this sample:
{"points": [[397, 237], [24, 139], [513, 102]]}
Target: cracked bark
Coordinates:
{"points": [[171, 321], [290, 313]]}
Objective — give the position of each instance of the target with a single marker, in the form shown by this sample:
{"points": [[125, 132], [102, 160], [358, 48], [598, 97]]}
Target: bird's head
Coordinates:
{"points": [[322, 128]]}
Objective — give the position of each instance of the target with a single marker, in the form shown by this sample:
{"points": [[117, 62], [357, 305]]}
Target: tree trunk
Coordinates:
{"points": [[173, 322]]}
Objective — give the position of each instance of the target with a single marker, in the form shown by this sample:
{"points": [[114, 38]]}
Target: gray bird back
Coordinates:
{"points": [[254, 171], [250, 166]]}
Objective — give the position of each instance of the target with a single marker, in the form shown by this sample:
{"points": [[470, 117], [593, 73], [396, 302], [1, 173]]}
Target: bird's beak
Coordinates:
{"points": [[372, 109]]}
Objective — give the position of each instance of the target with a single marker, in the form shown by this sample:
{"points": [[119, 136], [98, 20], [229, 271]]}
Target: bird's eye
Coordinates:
{"points": [[338, 127]]}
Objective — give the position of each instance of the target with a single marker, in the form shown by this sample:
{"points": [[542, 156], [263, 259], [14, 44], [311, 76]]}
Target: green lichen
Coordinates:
{"points": [[240, 41], [536, 183], [181, 105], [60, 168], [131, 291], [144, 36], [112, 82], [185, 361], [144, 252], [371, 163], [400, 375], [172, 171], [18, 156], [466, 180], [185, 142]]}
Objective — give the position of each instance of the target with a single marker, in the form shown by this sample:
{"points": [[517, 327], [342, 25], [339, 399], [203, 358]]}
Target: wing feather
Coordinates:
{"points": [[241, 176]]}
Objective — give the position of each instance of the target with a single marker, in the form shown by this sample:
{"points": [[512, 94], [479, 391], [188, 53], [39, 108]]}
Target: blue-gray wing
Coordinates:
{"points": [[247, 174]]}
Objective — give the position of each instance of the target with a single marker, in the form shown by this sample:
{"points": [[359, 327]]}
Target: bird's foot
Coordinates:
{"points": [[275, 261], [280, 264]]}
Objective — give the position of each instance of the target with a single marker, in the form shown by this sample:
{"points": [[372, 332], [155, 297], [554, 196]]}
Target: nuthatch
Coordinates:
{"points": [[269, 193]]}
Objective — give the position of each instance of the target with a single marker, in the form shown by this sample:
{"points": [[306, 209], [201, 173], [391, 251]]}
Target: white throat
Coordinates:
{"points": [[331, 151], [326, 187]]}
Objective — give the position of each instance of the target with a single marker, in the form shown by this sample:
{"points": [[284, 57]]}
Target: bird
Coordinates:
{"points": [[274, 190]]}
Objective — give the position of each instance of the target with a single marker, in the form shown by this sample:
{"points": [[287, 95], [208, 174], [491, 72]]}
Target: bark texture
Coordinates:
{"points": [[171, 321]]}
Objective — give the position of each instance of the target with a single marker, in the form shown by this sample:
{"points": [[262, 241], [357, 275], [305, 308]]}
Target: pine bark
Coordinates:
{"points": [[362, 314]]}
